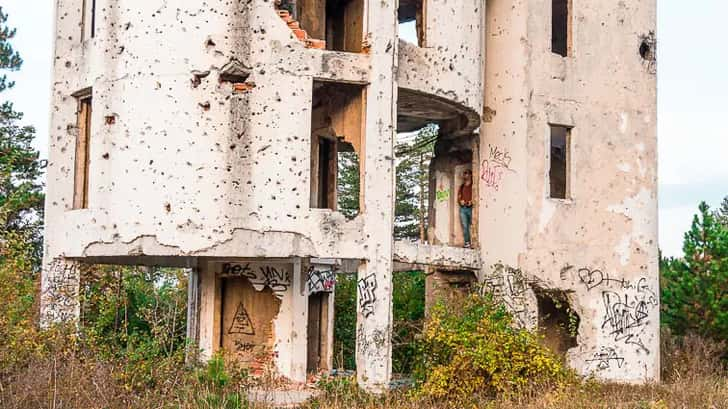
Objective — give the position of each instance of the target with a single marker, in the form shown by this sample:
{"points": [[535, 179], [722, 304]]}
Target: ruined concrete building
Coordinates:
{"points": [[205, 135]]}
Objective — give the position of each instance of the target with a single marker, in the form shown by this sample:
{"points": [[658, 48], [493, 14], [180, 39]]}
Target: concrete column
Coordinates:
{"points": [[299, 325], [209, 316], [59, 302], [374, 317]]}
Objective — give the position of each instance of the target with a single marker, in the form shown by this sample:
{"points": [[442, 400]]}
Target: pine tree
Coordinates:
{"points": [[348, 184], [412, 201], [722, 213], [21, 193], [695, 288]]}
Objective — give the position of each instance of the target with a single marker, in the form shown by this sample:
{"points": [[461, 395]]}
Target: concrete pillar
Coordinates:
{"points": [[59, 302], [293, 346], [374, 317]]}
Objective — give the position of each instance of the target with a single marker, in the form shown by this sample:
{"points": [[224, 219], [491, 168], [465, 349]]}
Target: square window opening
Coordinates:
{"points": [[339, 22], [337, 120]]}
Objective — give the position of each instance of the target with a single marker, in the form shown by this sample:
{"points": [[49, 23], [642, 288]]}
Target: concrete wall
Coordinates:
{"points": [[600, 244], [185, 168]]}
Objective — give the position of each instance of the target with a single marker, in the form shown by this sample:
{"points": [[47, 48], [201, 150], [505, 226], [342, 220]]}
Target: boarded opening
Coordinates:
{"points": [[561, 27], [247, 322], [318, 330], [557, 322], [559, 159], [337, 120], [83, 139], [339, 22]]}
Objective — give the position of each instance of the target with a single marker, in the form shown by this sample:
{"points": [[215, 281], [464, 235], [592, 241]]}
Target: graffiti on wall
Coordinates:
{"points": [[514, 289], [276, 277], [442, 194], [495, 166], [241, 322], [60, 291], [372, 344], [367, 296], [606, 358], [627, 306], [320, 280]]}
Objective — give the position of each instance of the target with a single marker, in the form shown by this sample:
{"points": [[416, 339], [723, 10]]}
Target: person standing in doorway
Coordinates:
{"points": [[465, 199]]}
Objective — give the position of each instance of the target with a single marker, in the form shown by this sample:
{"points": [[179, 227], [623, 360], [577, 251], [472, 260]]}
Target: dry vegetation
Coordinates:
{"points": [[66, 376]]}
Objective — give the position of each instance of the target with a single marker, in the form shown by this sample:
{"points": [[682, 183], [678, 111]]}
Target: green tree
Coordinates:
{"points": [[412, 190], [21, 193], [722, 212], [348, 184], [21, 202], [695, 288]]}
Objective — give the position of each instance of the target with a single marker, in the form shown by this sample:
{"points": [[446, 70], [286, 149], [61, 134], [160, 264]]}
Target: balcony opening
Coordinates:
{"points": [[83, 140], [411, 15], [339, 22], [560, 157], [561, 27], [337, 120]]}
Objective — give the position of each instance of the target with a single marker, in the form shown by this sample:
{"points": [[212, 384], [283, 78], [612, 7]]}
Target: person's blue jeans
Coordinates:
{"points": [[466, 219]]}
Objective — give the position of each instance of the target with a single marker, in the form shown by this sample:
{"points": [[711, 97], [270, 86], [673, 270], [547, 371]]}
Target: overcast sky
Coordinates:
{"points": [[692, 90]]}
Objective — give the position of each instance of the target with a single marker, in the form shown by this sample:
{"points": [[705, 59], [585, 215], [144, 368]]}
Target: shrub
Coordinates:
{"points": [[408, 304], [471, 347]]}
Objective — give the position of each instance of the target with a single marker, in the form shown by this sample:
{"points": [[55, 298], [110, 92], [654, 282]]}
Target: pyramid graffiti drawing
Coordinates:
{"points": [[241, 322]]}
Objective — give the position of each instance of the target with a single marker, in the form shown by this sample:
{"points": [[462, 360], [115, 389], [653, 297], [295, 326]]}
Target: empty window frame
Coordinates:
{"points": [[560, 158], [339, 22], [88, 19], [83, 139], [561, 27], [412, 13], [337, 120]]}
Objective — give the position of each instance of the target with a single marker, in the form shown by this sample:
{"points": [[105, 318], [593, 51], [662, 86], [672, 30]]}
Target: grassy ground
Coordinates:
{"points": [[693, 377]]}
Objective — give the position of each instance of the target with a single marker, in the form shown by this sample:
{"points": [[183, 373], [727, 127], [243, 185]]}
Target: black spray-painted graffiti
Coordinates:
{"points": [[320, 281], [373, 344], [493, 168], [511, 287], [626, 316], [627, 305], [244, 347], [60, 291], [241, 322], [367, 295], [605, 358], [277, 278]]}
